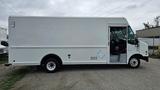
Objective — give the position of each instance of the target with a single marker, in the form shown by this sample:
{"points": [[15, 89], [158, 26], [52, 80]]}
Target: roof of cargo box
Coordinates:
{"points": [[108, 19], [60, 31]]}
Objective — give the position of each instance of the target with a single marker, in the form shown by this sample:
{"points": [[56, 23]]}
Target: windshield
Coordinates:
{"points": [[131, 36]]}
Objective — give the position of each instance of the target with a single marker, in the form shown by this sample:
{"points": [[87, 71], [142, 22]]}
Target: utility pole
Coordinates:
{"points": [[157, 19]]}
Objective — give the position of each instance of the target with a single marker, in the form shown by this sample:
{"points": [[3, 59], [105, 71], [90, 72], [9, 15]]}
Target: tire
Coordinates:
{"points": [[134, 62], [51, 65]]}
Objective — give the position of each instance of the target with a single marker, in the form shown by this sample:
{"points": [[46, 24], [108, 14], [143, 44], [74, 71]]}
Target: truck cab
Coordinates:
{"points": [[136, 48], [125, 47]]}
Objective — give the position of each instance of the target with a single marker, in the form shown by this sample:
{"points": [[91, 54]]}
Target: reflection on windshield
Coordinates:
{"points": [[131, 36]]}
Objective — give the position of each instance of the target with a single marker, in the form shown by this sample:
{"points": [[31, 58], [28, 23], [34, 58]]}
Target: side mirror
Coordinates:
{"points": [[137, 42], [4, 43]]}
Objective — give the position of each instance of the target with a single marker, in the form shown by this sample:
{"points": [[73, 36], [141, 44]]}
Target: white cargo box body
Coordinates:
{"points": [[76, 40]]}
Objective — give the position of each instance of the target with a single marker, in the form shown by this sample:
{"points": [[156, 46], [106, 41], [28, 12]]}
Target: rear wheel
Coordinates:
{"points": [[134, 62], [51, 65]]}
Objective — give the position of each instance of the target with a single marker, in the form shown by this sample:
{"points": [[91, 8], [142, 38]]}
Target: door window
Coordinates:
{"points": [[131, 36]]}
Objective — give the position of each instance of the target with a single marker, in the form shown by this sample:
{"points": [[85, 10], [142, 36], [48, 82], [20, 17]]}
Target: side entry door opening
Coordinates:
{"points": [[118, 44]]}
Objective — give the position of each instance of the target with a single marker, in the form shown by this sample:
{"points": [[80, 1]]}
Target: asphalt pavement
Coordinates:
{"points": [[94, 77]]}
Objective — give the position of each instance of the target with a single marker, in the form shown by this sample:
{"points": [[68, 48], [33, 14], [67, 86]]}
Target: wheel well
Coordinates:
{"points": [[139, 56], [53, 56]]}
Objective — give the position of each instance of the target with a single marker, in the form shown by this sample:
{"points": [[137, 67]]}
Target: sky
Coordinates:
{"points": [[135, 11]]}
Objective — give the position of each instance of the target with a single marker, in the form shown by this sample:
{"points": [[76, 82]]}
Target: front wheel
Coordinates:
{"points": [[134, 62]]}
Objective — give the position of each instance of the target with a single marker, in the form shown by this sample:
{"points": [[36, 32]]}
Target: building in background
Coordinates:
{"points": [[151, 36], [3, 37]]}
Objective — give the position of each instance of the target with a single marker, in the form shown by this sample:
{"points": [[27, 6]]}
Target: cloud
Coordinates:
{"points": [[136, 11]]}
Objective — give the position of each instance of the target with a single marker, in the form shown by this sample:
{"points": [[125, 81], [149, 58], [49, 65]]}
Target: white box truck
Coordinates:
{"points": [[55, 41], [3, 37]]}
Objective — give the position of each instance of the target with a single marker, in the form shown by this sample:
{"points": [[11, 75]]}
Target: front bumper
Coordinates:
{"points": [[145, 58]]}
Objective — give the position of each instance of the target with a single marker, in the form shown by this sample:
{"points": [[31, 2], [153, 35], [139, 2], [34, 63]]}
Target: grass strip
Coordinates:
{"points": [[12, 78], [3, 58]]}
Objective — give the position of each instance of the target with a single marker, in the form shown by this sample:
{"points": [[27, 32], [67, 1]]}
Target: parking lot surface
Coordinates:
{"points": [[94, 77]]}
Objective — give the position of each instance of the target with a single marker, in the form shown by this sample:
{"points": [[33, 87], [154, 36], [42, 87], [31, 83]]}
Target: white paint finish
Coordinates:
{"points": [[85, 39], [143, 48], [59, 31], [131, 50], [62, 46], [78, 55]]}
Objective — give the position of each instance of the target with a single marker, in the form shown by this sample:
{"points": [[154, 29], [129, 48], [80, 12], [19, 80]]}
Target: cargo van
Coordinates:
{"points": [[55, 41], [3, 37]]}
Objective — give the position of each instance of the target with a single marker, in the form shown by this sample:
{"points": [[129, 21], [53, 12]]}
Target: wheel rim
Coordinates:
{"points": [[134, 62], [51, 66]]}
